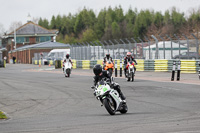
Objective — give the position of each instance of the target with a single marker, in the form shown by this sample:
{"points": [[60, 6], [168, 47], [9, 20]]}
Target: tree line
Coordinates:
{"points": [[113, 23]]}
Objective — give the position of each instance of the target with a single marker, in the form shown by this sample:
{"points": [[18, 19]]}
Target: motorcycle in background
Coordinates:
{"points": [[130, 71], [109, 98], [67, 68], [109, 66]]}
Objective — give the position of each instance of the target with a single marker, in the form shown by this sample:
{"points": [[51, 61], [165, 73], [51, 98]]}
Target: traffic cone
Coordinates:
{"points": [[39, 65], [49, 64]]}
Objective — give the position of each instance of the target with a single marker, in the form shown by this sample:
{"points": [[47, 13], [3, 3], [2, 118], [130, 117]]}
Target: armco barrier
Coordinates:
{"points": [[92, 63], [74, 64], [187, 66], [86, 64], [148, 65], [140, 65], [100, 62], [161, 65]]}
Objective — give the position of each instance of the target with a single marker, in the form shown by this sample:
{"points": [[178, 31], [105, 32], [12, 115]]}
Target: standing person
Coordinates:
{"points": [[14, 59], [5, 58], [128, 58]]}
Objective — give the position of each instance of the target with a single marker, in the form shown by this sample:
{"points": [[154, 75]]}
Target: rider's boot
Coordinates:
{"points": [[134, 70]]}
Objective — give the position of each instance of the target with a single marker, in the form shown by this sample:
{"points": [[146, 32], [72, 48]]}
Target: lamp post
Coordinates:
{"points": [[142, 46], [187, 45], [15, 36], [163, 45], [135, 47], [171, 46]]}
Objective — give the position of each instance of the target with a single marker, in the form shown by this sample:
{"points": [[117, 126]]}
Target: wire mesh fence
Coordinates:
{"points": [[156, 48]]}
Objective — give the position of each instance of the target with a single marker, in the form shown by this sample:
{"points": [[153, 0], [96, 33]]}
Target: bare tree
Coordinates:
{"points": [[14, 25], [2, 30]]}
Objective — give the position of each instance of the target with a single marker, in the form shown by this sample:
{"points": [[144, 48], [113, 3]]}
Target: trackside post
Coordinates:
{"points": [[173, 70]]}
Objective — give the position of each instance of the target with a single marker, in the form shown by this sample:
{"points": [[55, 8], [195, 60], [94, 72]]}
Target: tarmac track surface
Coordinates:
{"points": [[42, 100]]}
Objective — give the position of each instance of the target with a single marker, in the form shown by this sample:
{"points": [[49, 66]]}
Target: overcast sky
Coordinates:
{"points": [[17, 10]]}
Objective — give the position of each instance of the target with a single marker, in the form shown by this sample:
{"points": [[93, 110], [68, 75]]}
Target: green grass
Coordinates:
{"points": [[2, 115]]}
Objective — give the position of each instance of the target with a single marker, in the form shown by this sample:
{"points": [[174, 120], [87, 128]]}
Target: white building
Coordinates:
{"points": [[165, 49]]}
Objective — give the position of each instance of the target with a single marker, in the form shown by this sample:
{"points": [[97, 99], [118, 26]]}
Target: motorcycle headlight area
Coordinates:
{"points": [[98, 92], [131, 66]]}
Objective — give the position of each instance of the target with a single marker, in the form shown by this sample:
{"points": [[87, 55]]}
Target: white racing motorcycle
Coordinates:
{"points": [[67, 68], [130, 71], [109, 98]]}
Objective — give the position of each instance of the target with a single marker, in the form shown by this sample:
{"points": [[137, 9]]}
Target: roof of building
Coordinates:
{"points": [[43, 45], [31, 28], [2, 49]]}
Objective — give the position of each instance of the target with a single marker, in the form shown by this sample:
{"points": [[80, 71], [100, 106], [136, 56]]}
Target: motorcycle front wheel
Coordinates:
{"points": [[124, 109], [110, 71], [132, 75], [109, 106]]}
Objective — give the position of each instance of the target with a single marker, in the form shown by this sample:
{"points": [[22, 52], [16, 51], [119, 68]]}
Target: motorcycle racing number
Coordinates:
{"points": [[105, 89]]}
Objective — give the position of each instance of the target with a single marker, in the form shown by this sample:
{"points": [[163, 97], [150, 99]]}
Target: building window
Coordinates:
{"points": [[26, 40], [37, 39], [19, 39], [9, 41], [43, 39], [22, 39]]}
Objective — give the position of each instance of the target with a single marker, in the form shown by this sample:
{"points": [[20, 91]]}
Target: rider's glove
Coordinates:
{"points": [[92, 87]]}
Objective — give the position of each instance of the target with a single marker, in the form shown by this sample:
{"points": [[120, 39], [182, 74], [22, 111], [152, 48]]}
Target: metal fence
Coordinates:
{"points": [[161, 47]]}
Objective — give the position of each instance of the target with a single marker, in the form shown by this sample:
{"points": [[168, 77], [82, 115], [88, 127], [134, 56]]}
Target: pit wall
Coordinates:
{"points": [[187, 66]]}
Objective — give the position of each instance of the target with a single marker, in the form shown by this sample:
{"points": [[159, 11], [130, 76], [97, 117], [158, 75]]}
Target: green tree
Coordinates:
{"points": [[53, 22], [58, 22], [167, 18], [130, 18], [119, 15], [177, 19], [158, 19], [99, 26], [142, 22], [115, 30], [70, 39], [88, 36]]}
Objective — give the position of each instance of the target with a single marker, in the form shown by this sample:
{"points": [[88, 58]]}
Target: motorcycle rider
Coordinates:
{"points": [[65, 60], [107, 58], [128, 58], [100, 74]]}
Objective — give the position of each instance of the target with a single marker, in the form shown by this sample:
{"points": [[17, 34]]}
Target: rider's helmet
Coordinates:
{"points": [[97, 69], [67, 56], [128, 54], [107, 56]]}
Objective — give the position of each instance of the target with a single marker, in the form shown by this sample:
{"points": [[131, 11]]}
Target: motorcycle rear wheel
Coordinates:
{"points": [[109, 107]]}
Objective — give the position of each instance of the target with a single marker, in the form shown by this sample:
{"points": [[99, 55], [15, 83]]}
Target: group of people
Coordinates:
{"points": [[100, 73]]}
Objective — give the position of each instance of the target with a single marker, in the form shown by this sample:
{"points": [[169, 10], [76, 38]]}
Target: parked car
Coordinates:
{"points": [[184, 55]]}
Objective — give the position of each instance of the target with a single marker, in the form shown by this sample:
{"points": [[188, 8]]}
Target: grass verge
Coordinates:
{"points": [[2, 115]]}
